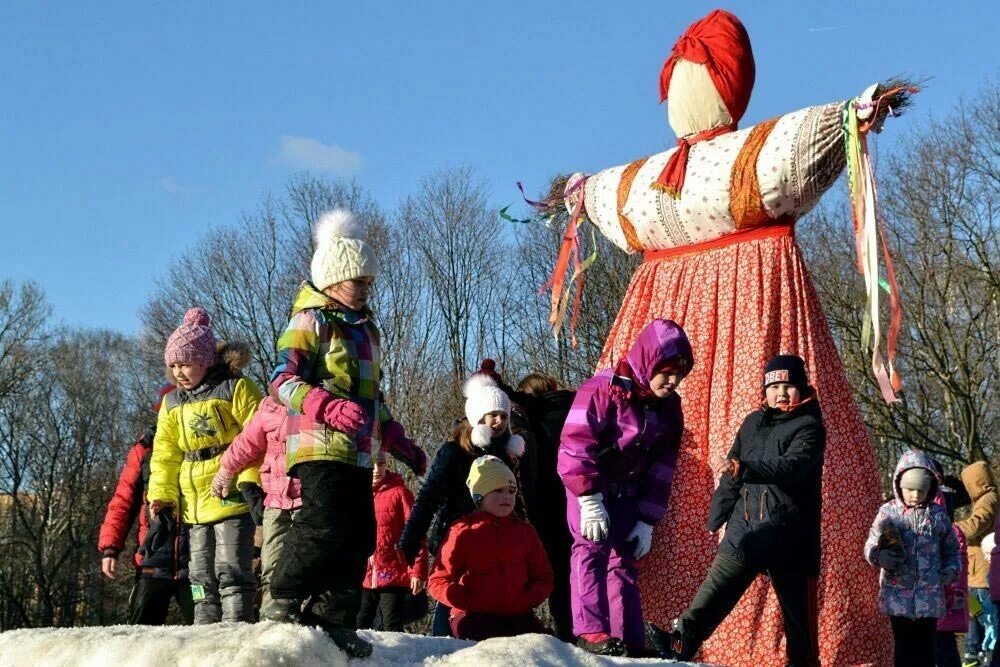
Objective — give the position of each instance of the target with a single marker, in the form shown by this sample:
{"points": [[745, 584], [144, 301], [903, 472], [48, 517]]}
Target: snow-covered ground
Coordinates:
{"points": [[267, 644]]}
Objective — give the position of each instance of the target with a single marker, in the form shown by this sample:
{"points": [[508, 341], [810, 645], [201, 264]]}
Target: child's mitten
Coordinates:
{"points": [[344, 415], [221, 482], [890, 560]]}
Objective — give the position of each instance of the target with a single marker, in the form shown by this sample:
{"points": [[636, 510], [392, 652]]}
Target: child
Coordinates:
{"points": [[956, 618], [196, 423], [262, 443], [388, 578], [154, 586], [769, 499], [547, 405], [444, 495], [492, 571], [328, 376], [916, 570], [616, 457], [982, 492]]}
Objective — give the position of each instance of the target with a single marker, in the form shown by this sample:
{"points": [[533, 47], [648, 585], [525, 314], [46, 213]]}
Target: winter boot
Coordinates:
{"points": [[970, 660], [673, 645], [285, 611], [346, 639], [601, 644]]}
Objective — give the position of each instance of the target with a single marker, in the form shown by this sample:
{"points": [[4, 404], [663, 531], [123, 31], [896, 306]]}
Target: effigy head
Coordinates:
{"points": [[708, 75]]}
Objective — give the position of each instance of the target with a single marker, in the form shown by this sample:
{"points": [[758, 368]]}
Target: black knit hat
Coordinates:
{"points": [[786, 368]]}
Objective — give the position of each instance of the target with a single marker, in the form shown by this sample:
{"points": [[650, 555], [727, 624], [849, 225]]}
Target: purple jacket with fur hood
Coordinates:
{"points": [[262, 442], [917, 589], [614, 441]]}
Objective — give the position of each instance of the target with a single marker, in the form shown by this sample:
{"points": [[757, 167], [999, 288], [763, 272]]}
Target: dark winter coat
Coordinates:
{"points": [[129, 504], [387, 566], [546, 415], [166, 548], [443, 497], [772, 505], [491, 565]]}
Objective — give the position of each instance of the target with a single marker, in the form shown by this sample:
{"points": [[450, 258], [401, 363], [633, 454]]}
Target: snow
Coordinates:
{"points": [[268, 643]]}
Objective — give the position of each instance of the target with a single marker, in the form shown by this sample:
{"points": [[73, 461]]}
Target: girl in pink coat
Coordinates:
{"points": [[262, 442]]}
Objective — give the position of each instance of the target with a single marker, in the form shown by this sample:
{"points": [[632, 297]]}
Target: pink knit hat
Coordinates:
{"points": [[191, 342]]}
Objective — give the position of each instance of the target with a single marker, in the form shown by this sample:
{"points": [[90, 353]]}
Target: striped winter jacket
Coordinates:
{"points": [[329, 349], [199, 424]]}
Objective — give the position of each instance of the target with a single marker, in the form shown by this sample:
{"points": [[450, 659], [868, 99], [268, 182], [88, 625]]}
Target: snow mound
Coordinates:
{"points": [[266, 644]]}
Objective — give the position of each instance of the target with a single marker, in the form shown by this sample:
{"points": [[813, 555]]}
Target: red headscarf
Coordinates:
{"points": [[720, 42]]}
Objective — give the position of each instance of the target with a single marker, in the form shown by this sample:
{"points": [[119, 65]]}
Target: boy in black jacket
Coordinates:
{"points": [[769, 499]]}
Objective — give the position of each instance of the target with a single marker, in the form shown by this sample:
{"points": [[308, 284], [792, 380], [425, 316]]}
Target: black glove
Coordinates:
{"points": [[254, 497], [409, 552]]}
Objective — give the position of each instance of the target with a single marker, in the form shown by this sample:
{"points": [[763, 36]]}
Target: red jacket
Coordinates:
{"points": [[491, 565], [387, 566], [128, 502]]}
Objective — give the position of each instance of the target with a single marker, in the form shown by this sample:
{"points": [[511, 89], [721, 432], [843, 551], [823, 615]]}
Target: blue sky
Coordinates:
{"points": [[129, 129]]}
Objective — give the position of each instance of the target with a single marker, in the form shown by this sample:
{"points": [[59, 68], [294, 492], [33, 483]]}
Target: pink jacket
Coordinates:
{"points": [[262, 442], [956, 599]]}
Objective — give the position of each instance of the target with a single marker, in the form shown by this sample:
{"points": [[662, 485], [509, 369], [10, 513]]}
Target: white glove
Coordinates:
{"points": [[594, 522], [643, 536]]}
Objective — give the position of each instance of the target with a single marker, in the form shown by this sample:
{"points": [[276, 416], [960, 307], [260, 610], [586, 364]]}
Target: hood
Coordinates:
{"points": [[392, 480], [232, 359], [271, 412], [309, 297], [977, 480], [914, 458], [658, 341]]}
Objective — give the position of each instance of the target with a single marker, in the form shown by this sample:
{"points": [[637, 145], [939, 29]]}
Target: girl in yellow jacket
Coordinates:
{"points": [[196, 424]]}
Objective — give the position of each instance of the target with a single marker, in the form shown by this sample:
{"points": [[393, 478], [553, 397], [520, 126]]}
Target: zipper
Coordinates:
{"points": [[177, 544], [746, 504], [183, 430], [763, 504], [222, 421]]}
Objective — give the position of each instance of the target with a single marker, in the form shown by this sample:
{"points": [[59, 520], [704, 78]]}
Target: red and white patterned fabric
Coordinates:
{"points": [[742, 300]]}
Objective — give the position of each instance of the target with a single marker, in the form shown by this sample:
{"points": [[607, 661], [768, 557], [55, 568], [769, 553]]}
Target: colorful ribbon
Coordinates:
{"points": [[867, 234]]}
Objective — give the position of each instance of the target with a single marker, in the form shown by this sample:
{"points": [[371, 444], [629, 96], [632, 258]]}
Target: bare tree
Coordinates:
{"points": [[458, 238]]}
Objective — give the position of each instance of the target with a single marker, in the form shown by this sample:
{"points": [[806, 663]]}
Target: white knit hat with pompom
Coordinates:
{"points": [[482, 396], [341, 253]]}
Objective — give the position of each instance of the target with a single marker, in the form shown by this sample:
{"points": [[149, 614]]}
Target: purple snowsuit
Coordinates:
{"points": [[618, 445]]}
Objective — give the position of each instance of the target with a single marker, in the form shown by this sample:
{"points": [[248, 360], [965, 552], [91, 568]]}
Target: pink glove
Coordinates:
{"points": [[402, 448], [337, 413], [221, 483], [344, 415]]}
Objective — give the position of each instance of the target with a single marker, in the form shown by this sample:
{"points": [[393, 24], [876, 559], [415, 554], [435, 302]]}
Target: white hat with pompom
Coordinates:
{"points": [[341, 252]]}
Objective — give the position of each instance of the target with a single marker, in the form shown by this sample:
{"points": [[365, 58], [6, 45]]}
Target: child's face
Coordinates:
{"points": [[497, 421], [499, 503], [378, 472], [782, 395], [665, 382], [913, 497], [188, 375], [352, 293]]}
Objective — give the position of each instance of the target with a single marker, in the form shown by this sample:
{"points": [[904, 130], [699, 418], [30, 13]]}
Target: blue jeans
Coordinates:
{"points": [[977, 624]]}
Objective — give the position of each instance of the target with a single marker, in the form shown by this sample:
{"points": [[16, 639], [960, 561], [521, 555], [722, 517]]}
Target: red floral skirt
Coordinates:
{"points": [[740, 303]]}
